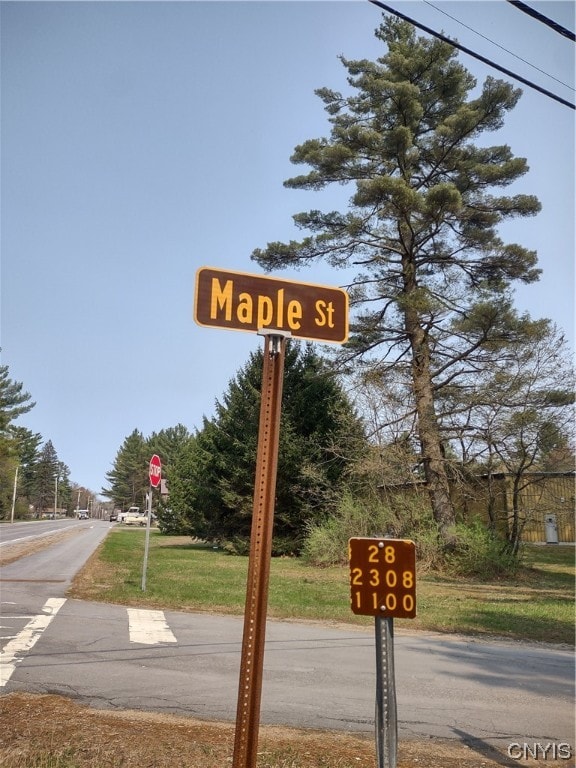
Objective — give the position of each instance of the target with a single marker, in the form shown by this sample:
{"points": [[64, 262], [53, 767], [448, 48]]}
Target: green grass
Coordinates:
{"points": [[537, 604]]}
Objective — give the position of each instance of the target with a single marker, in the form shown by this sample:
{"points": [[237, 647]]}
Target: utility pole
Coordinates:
{"points": [[14, 493]]}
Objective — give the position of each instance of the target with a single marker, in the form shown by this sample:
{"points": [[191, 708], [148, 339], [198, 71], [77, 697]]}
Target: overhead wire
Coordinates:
{"points": [[543, 19], [502, 48], [475, 55]]}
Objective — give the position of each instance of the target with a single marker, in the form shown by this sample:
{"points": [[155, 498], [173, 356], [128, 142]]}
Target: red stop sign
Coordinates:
{"points": [[155, 471]]}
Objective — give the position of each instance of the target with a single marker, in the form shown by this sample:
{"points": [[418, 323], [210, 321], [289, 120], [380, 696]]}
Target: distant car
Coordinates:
{"points": [[83, 516], [114, 517]]}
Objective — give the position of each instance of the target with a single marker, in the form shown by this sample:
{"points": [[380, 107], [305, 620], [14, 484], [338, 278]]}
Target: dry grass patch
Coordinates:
{"points": [[55, 732]]}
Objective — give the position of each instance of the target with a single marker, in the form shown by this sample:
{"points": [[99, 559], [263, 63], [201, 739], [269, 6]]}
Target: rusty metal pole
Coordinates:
{"points": [[252, 660]]}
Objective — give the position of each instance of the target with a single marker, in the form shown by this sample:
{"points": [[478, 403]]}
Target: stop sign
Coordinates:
{"points": [[155, 471]]}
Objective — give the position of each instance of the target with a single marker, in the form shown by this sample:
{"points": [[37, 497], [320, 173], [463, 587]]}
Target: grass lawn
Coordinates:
{"points": [[537, 604]]}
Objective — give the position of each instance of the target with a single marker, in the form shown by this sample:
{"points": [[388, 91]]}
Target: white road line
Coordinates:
{"points": [[13, 652], [149, 627]]}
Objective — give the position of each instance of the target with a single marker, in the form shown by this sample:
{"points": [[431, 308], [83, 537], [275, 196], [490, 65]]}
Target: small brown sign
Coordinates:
{"points": [[383, 577], [244, 302]]}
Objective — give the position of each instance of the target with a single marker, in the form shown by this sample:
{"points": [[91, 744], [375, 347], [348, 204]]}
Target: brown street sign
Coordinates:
{"points": [[244, 302], [383, 577]]}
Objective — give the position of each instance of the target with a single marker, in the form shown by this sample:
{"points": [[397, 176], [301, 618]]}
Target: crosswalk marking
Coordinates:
{"points": [[145, 627], [149, 627], [14, 651]]}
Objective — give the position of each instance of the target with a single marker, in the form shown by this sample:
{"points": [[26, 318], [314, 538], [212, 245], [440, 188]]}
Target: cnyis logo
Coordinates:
{"points": [[539, 751]]}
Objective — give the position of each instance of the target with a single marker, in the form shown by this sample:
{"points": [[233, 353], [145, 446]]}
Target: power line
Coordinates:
{"points": [[544, 19], [502, 48], [472, 53]]}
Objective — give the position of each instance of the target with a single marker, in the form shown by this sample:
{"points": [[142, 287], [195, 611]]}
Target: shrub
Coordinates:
{"points": [[403, 518], [327, 543], [479, 553]]}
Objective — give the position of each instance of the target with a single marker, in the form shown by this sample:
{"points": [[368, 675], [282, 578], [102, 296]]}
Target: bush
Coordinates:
{"points": [[327, 543], [172, 523], [479, 553], [240, 545], [402, 518], [235, 545]]}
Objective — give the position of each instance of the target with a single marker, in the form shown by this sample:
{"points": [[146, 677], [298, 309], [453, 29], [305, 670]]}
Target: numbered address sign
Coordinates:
{"points": [[383, 577]]}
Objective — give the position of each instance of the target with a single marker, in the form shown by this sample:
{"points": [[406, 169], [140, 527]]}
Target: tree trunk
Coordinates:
{"points": [[432, 451], [515, 530]]}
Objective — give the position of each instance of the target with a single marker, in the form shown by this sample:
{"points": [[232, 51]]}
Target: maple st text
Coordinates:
{"points": [[254, 303]]}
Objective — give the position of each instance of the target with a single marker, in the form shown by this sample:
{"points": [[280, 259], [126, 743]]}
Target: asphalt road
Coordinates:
{"points": [[314, 676]]}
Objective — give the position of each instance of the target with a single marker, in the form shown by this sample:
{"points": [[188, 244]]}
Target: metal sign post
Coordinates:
{"points": [[252, 660], [147, 541], [386, 720], [155, 477]]}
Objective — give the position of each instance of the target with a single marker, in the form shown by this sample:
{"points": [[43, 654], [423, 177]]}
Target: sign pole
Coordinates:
{"points": [[386, 714], [252, 659], [147, 542], [14, 493], [155, 477]]}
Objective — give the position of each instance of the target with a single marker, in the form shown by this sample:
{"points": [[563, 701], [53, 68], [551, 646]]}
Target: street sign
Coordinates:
{"points": [[155, 471], [383, 577], [383, 584], [244, 302]]}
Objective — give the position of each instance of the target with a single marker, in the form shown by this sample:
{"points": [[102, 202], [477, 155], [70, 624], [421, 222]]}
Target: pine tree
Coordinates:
{"points": [[421, 227], [128, 479], [213, 480], [46, 471], [27, 448], [169, 444], [13, 401]]}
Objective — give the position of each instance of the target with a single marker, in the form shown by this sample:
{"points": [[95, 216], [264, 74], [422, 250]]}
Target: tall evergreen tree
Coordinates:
{"points": [[422, 221], [13, 400], [213, 480], [65, 500], [27, 448], [48, 468], [128, 479], [168, 443]]}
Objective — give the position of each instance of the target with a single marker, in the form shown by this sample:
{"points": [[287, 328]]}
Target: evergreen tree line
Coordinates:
{"points": [[32, 476], [210, 474]]}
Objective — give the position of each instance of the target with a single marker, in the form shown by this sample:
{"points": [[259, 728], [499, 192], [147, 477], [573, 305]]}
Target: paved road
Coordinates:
{"points": [[21, 532], [314, 676]]}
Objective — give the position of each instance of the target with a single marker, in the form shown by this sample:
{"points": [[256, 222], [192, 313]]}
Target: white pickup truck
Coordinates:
{"points": [[135, 517]]}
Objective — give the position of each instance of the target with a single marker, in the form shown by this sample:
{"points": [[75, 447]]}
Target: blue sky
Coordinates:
{"points": [[143, 140]]}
